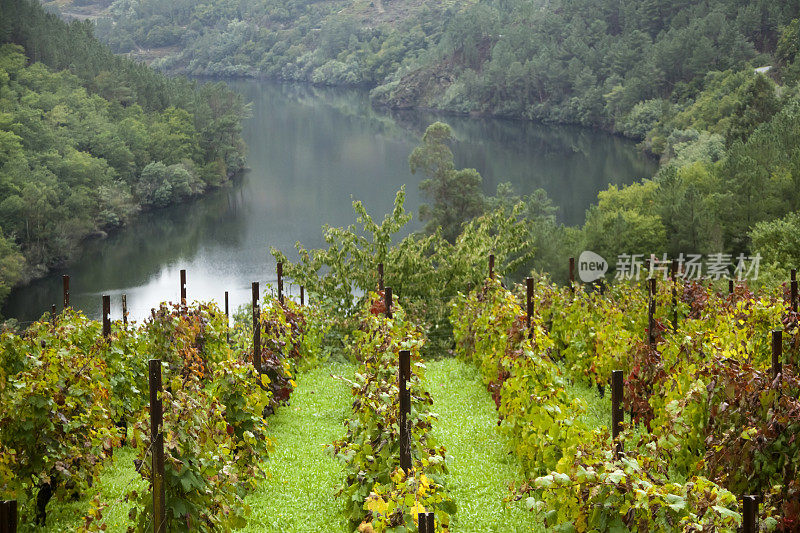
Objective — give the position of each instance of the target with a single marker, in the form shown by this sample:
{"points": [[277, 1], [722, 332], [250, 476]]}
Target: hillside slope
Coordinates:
{"points": [[343, 42], [88, 138], [566, 61], [586, 61]]}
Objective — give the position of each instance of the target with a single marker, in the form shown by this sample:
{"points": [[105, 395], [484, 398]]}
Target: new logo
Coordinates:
{"points": [[591, 266]]}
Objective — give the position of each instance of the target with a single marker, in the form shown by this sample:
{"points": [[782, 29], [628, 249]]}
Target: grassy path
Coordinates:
{"points": [[115, 481], [299, 494], [482, 468]]}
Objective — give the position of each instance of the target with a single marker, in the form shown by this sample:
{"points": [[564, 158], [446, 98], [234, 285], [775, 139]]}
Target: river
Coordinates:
{"points": [[311, 151]]}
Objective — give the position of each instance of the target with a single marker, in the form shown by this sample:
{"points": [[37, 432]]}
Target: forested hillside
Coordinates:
{"points": [[580, 62], [342, 42], [87, 139], [586, 61]]}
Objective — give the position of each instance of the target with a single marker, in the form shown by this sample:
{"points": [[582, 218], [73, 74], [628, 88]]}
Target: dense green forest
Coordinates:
{"points": [[585, 62], [679, 76], [732, 194], [88, 138], [341, 42]]}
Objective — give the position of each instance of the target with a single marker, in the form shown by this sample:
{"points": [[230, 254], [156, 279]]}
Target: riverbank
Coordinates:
{"points": [[34, 273]]}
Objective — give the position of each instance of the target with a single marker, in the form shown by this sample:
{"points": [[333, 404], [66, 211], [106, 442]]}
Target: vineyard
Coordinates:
{"points": [[669, 405], [708, 380]]}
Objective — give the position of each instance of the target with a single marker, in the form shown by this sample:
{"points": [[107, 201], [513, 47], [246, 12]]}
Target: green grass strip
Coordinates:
{"points": [[115, 482], [482, 467], [299, 495]]}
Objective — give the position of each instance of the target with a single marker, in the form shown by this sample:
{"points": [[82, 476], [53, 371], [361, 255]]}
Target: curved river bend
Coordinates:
{"points": [[311, 151]]}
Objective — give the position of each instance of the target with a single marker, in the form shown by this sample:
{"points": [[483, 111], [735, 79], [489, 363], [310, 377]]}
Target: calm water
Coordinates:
{"points": [[311, 151]]}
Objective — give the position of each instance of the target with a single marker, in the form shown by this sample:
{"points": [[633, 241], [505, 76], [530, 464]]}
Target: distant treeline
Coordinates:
{"points": [[678, 75], [340, 42], [586, 61], [88, 138]]}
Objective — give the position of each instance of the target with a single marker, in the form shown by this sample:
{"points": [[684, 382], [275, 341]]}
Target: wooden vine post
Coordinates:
{"points": [[106, 316], [302, 296], [749, 513], [674, 275], [227, 308], [8, 516], [280, 282], [617, 414], [53, 313], [426, 522], [388, 298], [125, 309], [256, 329], [491, 266], [529, 305], [380, 277], [651, 312], [157, 445], [730, 286], [793, 296], [227, 318], [405, 409], [65, 286], [183, 289], [777, 352], [572, 274]]}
